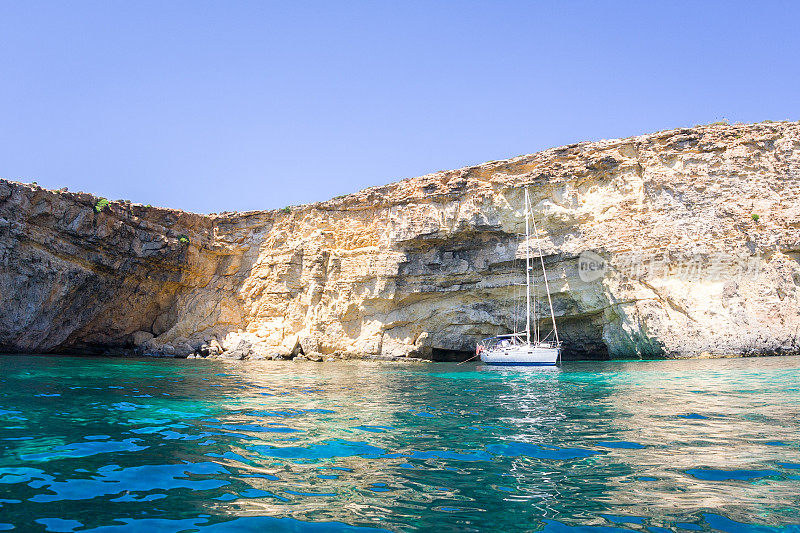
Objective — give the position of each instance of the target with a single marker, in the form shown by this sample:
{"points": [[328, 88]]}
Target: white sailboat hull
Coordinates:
{"points": [[521, 355]]}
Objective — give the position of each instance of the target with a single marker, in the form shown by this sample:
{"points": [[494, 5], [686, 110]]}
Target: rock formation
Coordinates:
{"points": [[696, 234]]}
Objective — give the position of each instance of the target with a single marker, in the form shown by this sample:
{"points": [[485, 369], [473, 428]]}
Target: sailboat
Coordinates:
{"points": [[526, 347]]}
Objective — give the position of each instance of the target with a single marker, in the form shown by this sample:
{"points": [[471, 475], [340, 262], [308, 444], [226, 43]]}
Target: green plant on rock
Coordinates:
{"points": [[755, 217], [101, 204], [287, 209], [183, 239]]}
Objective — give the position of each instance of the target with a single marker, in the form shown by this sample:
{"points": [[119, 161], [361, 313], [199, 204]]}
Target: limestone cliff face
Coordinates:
{"points": [[427, 265]]}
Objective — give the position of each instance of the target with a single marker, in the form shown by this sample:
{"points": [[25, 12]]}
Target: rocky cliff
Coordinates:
{"points": [[678, 243]]}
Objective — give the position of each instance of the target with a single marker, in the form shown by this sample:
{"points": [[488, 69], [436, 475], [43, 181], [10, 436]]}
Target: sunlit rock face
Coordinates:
{"points": [[427, 266]]}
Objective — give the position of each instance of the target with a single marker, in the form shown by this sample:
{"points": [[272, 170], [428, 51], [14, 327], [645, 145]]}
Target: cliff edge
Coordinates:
{"points": [[674, 244]]}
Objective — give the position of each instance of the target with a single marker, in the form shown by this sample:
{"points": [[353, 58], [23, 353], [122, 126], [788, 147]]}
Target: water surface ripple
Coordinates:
{"points": [[113, 445]]}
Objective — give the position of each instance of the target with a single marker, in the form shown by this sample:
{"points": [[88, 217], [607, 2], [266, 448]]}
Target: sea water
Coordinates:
{"points": [[118, 445]]}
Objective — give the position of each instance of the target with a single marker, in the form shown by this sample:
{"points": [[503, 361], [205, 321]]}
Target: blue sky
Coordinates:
{"points": [[214, 106]]}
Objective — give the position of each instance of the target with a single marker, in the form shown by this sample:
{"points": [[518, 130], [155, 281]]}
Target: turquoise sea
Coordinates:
{"points": [[119, 445]]}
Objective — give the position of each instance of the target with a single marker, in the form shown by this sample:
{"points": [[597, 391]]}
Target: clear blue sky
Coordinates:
{"points": [[214, 106]]}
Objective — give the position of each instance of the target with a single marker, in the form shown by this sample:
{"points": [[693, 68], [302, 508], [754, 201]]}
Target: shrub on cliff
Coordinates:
{"points": [[755, 217], [287, 210], [101, 204], [183, 239]]}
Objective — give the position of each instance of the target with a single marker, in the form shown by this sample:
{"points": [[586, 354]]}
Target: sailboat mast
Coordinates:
{"points": [[527, 269], [546, 284]]}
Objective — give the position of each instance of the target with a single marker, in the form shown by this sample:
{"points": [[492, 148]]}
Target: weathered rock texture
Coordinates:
{"points": [[424, 266]]}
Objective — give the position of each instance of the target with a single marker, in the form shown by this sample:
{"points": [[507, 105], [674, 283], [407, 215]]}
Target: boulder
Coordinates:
{"points": [[242, 351], [214, 347], [297, 350], [308, 343], [140, 337]]}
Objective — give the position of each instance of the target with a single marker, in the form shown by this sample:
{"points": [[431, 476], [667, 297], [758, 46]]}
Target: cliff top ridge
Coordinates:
{"points": [[552, 163]]}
